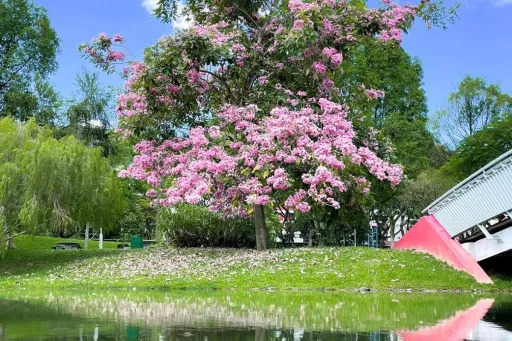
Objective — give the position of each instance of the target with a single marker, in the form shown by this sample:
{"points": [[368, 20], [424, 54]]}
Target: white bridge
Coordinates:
{"points": [[477, 212]]}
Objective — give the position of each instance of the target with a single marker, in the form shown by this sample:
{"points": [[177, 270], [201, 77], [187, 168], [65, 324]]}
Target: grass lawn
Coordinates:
{"points": [[27, 243], [35, 265]]}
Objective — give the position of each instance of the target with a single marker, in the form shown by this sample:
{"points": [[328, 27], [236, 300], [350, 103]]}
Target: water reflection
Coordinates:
{"points": [[457, 327], [255, 316]]}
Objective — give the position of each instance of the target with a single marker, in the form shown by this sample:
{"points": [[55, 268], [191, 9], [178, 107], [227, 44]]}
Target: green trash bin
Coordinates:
{"points": [[137, 243], [132, 333]]}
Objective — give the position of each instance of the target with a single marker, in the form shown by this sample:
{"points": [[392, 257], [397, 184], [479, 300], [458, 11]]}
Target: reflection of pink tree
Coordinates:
{"points": [[455, 328]]}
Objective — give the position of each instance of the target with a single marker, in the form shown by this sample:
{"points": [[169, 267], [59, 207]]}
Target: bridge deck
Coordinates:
{"points": [[484, 195]]}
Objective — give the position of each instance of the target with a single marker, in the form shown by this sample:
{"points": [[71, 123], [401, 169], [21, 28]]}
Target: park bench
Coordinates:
{"points": [[67, 246]]}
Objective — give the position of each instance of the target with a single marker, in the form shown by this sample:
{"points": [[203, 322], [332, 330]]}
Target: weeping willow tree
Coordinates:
{"points": [[53, 186]]}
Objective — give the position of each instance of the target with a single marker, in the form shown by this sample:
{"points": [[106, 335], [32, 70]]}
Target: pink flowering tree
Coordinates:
{"points": [[249, 108]]}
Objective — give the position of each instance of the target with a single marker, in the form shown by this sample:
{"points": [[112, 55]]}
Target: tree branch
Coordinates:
{"points": [[16, 235], [223, 80]]}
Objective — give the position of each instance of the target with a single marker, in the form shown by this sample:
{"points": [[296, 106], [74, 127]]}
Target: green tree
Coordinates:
{"points": [[139, 217], [389, 68], [90, 113], [401, 117], [49, 103], [28, 48], [40, 101], [53, 186], [472, 106], [482, 147], [401, 113]]}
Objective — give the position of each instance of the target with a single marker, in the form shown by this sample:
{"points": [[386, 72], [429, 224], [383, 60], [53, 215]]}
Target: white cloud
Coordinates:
{"points": [[150, 5], [182, 21], [95, 123], [503, 2]]}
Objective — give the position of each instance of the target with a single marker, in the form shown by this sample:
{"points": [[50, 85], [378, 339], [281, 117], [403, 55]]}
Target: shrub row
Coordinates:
{"points": [[196, 226]]}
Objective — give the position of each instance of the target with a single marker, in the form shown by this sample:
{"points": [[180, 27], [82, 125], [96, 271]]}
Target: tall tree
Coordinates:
{"points": [[401, 117], [28, 48], [40, 101], [482, 147], [56, 186], [472, 106], [389, 68], [281, 131], [90, 113]]}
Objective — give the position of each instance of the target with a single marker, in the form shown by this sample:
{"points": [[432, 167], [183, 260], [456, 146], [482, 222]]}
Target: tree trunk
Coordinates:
{"points": [[86, 241], [261, 228], [392, 237], [7, 231], [392, 232], [260, 334], [3, 332], [311, 234], [10, 244], [100, 245]]}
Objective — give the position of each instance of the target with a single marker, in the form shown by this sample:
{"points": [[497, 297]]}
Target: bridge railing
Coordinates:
{"points": [[482, 196]]}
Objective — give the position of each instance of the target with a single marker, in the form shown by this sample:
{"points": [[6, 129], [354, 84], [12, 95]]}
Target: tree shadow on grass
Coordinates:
{"points": [[23, 262]]}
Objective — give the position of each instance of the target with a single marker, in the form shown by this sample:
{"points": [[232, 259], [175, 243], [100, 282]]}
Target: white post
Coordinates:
{"points": [[101, 239], [96, 333], [487, 234], [86, 241], [355, 240]]}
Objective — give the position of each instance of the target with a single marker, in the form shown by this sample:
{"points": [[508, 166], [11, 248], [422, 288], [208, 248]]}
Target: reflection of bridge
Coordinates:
{"points": [[457, 327], [476, 213]]}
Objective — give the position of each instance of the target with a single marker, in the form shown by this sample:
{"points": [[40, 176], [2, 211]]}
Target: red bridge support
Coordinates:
{"points": [[429, 236]]}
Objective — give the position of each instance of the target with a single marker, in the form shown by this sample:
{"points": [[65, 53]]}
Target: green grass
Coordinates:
{"points": [[34, 265], [33, 255], [26, 243]]}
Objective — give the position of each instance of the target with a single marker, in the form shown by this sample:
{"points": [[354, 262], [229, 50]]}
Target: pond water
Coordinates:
{"points": [[255, 316]]}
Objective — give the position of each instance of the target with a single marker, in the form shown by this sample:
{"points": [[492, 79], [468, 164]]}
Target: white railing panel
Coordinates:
{"points": [[482, 196]]}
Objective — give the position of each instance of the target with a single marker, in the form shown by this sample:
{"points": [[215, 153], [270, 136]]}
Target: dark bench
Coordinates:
{"points": [[67, 246]]}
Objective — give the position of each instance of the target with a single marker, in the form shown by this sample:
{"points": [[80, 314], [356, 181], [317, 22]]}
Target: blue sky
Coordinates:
{"points": [[479, 44]]}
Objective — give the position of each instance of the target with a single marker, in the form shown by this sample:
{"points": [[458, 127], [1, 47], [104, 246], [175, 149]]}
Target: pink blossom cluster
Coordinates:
{"points": [[393, 18], [297, 6], [118, 38], [319, 67], [299, 24], [253, 168], [240, 53], [132, 102], [372, 93], [102, 38], [114, 56], [217, 33], [101, 51]]}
